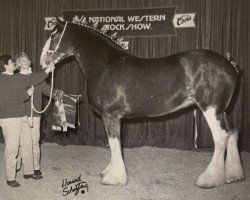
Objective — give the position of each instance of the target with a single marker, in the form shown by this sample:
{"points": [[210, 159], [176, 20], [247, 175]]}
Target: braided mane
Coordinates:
{"points": [[103, 33]]}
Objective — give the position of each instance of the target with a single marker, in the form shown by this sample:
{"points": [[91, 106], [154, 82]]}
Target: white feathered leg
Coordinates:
{"points": [[233, 167], [214, 175], [115, 173]]}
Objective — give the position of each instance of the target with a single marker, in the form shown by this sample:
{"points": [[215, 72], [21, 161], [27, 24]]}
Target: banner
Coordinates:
{"points": [[128, 22]]}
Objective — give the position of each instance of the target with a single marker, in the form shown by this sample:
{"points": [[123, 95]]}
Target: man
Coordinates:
{"points": [[12, 117], [24, 63]]}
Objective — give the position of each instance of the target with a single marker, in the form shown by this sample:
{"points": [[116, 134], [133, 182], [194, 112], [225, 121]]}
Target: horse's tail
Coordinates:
{"points": [[234, 64], [237, 84]]}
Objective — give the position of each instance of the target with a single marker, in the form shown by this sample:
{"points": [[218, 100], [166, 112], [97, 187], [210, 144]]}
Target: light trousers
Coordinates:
{"points": [[16, 132], [35, 136]]}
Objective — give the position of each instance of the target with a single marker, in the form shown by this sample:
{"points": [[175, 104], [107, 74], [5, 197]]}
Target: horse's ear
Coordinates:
{"points": [[59, 22]]}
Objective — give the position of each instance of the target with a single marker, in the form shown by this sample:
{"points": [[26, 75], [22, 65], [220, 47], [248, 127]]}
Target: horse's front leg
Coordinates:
{"points": [[115, 173]]}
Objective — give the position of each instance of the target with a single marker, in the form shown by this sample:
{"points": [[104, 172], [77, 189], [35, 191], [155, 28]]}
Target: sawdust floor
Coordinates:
{"points": [[154, 173]]}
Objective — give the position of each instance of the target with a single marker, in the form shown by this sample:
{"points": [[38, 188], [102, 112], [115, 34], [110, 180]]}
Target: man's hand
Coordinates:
{"points": [[31, 91], [50, 67]]}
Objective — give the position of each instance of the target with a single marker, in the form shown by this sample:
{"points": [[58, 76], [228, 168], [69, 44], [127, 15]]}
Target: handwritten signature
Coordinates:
{"points": [[74, 186]]}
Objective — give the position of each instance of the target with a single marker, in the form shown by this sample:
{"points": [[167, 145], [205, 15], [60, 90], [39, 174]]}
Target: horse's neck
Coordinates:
{"points": [[93, 53], [92, 58]]}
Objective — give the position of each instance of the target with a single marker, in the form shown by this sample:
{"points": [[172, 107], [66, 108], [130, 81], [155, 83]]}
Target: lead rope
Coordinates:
{"points": [[46, 107], [195, 129], [52, 84]]}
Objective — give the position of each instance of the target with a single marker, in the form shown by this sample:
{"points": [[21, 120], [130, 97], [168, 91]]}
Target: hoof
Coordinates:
{"points": [[234, 180], [111, 178], [208, 181], [105, 170], [234, 174], [230, 178]]}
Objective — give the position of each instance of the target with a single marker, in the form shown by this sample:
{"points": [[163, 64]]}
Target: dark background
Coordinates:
{"points": [[221, 25]]}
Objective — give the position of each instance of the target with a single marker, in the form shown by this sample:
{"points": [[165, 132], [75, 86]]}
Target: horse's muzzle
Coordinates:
{"points": [[47, 59]]}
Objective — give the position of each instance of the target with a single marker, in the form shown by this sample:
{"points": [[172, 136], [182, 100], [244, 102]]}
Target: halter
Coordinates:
{"points": [[58, 44], [52, 82]]}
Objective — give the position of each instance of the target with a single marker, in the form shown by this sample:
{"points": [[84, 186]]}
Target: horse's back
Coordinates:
{"points": [[210, 59], [191, 60]]}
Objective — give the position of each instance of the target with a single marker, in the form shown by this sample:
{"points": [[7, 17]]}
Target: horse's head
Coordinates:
{"points": [[58, 46]]}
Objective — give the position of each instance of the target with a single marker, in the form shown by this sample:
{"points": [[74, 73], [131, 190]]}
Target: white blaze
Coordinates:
{"points": [[45, 50]]}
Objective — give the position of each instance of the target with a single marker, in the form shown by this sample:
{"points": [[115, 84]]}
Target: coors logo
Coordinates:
{"points": [[184, 20]]}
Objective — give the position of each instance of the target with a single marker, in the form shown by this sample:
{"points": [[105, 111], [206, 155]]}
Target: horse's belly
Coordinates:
{"points": [[156, 105]]}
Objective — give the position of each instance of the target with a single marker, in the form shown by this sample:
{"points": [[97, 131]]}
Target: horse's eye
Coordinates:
{"points": [[53, 35]]}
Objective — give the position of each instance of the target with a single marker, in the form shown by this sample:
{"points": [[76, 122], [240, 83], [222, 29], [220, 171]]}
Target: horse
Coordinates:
{"points": [[121, 85]]}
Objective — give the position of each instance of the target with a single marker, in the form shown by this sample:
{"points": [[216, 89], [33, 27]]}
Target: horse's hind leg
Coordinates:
{"points": [[115, 172], [233, 168], [214, 174]]}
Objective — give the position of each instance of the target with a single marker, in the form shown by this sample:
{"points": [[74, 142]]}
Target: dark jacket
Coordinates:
{"points": [[40, 89], [13, 93]]}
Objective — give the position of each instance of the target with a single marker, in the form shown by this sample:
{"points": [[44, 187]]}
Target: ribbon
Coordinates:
{"points": [[66, 111]]}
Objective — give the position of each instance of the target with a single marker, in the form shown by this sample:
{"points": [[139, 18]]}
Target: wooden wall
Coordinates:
{"points": [[221, 25]]}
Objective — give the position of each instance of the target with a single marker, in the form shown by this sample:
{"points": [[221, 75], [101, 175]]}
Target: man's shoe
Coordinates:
{"points": [[38, 172], [32, 176], [13, 183]]}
